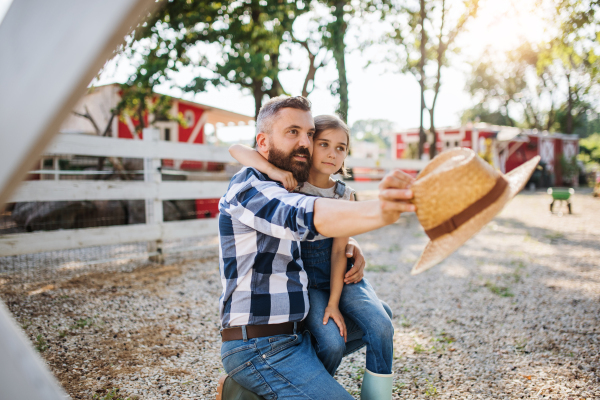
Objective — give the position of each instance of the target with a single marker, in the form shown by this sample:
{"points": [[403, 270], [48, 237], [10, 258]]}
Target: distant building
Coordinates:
{"points": [[504, 147], [99, 102]]}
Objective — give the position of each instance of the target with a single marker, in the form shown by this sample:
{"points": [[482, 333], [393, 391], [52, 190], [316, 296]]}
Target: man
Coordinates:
{"points": [[264, 296]]}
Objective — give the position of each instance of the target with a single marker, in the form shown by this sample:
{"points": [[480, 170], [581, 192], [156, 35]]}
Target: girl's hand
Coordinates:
{"points": [[285, 177], [335, 314], [356, 273]]}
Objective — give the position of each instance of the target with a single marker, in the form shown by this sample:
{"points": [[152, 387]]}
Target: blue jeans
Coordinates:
{"points": [[280, 367], [368, 322], [368, 319]]}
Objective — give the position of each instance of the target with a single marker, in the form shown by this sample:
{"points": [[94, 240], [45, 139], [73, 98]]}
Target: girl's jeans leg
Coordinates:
{"points": [[360, 304], [280, 367], [328, 343], [355, 334]]}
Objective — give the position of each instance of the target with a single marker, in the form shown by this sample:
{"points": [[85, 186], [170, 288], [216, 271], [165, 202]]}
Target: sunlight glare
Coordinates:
{"points": [[504, 25]]}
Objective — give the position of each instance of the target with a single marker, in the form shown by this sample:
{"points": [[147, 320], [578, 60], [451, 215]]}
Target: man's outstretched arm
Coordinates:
{"points": [[336, 218]]}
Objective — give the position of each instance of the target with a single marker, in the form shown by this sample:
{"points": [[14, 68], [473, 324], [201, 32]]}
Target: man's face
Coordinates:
{"points": [[290, 142]]}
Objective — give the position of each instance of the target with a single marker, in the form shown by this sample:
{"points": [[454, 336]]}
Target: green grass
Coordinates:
{"points": [[82, 323], [441, 343], [444, 338], [394, 247], [529, 238], [554, 236], [520, 345], [360, 372], [430, 390], [112, 394], [404, 322], [40, 343], [499, 290], [418, 348], [516, 274], [379, 268], [399, 386]]}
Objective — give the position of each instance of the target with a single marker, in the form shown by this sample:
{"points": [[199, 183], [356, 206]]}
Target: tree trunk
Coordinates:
{"points": [[258, 94], [441, 50], [338, 33], [310, 76], [569, 122], [115, 161], [422, 137], [433, 144]]}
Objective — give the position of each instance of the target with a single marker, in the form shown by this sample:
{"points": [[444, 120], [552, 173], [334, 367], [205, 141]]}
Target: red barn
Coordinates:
{"points": [[504, 147], [99, 101]]}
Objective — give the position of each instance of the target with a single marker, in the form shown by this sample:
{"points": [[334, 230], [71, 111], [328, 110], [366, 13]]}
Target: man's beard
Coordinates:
{"points": [[286, 162]]}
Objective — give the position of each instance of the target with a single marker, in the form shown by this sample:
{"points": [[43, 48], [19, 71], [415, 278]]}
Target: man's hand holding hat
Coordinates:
{"points": [[395, 195]]}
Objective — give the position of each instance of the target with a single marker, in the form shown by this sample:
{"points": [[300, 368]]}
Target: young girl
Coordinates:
{"points": [[342, 318]]}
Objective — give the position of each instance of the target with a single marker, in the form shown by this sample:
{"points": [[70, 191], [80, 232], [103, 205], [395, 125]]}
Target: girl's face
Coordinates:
{"points": [[330, 148]]}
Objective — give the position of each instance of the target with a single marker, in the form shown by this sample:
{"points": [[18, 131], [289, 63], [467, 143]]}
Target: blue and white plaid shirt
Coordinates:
{"points": [[260, 229]]}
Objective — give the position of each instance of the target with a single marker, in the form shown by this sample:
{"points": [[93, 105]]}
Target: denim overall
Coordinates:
{"points": [[368, 319]]}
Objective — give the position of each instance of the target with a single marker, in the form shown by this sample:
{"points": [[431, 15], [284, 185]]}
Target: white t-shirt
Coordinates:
{"points": [[307, 188]]}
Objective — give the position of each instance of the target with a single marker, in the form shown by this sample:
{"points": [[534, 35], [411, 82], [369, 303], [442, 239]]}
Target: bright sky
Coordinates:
{"points": [[375, 93]]}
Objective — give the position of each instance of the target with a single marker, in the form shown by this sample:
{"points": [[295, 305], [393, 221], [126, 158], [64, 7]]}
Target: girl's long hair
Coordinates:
{"points": [[324, 122]]}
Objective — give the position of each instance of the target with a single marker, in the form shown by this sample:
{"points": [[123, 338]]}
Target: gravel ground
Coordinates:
{"points": [[513, 314]]}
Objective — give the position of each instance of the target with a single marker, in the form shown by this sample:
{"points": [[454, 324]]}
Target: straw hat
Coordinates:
{"points": [[456, 195]]}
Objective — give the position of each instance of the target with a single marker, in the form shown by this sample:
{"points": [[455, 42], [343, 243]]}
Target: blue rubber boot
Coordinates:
{"points": [[376, 386]]}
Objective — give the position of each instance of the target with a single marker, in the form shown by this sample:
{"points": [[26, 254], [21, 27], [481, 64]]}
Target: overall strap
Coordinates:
{"points": [[340, 189]]}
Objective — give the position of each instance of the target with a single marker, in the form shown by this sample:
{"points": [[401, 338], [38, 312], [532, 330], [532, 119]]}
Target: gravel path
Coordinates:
{"points": [[515, 313]]}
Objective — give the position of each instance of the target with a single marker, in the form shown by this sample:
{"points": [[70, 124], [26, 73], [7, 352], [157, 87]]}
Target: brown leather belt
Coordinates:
{"points": [[256, 331]]}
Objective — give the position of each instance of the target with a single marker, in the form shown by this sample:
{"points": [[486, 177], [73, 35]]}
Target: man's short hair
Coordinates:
{"points": [[268, 111]]}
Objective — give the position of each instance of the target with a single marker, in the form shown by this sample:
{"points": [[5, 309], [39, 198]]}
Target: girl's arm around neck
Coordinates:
{"points": [[249, 157]]}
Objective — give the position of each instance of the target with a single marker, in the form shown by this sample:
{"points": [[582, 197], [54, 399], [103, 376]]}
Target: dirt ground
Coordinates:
{"points": [[515, 313]]}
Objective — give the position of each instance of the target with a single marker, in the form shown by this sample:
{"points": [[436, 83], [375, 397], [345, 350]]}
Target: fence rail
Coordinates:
{"points": [[88, 145], [117, 190], [153, 190]]}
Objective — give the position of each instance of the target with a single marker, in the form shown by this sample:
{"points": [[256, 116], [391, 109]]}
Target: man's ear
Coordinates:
{"points": [[262, 142]]}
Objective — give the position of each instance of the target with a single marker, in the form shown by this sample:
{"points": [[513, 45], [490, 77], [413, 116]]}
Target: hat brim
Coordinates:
{"points": [[439, 249]]}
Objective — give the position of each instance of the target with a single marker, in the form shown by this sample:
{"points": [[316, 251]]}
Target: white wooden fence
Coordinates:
{"points": [[152, 189]]}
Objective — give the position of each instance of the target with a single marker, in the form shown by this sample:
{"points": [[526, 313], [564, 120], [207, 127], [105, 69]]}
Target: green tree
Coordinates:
{"points": [[343, 12], [590, 149], [248, 36], [548, 86], [426, 33], [501, 82], [319, 55]]}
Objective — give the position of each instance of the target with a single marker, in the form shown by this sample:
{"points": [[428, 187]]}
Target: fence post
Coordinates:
{"points": [[154, 207], [23, 375]]}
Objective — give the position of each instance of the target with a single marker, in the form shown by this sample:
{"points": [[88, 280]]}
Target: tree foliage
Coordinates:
{"points": [[425, 33], [590, 148], [551, 85], [248, 36]]}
